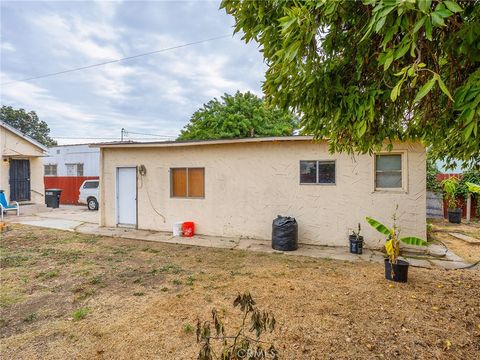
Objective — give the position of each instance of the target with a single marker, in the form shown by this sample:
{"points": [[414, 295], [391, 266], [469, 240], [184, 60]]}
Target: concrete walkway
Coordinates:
{"points": [[79, 219]]}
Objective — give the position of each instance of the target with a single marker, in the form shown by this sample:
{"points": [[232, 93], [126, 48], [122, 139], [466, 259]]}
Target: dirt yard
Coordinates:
{"points": [[470, 252], [65, 296]]}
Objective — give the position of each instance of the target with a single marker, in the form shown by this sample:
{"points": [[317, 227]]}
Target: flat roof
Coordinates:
{"points": [[136, 144]]}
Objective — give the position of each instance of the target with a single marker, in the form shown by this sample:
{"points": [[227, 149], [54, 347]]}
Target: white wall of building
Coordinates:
{"points": [[67, 156]]}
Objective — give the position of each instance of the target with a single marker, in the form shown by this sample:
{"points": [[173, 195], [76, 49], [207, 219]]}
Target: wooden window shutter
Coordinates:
{"points": [[179, 182], [196, 182]]}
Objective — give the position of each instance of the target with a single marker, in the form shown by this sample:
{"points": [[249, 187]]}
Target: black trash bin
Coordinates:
{"points": [[52, 197], [285, 233]]}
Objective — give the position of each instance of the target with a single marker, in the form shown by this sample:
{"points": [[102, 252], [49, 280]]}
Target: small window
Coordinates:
{"points": [[74, 169], [317, 172], [187, 182], [50, 170], [90, 185], [388, 171]]}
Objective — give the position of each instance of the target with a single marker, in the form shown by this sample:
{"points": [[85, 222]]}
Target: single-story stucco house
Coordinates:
{"points": [[235, 188], [21, 168]]}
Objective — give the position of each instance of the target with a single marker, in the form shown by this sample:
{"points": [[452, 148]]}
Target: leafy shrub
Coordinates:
{"points": [[239, 345]]}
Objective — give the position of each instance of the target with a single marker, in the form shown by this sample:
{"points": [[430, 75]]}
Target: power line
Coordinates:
{"points": [[106, 138], [155, 135], [116, 60]]}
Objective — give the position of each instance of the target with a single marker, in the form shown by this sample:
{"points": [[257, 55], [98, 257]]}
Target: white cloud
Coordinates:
{"points": [[6, 46], [156, 93]]}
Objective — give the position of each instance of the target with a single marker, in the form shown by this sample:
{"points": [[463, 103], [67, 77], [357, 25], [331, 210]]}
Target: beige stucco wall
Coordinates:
{"points": [[248, 185], [13, 146]]}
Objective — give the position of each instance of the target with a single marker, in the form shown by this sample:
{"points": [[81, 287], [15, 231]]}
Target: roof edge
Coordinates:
{"points": [[118, 144], [22, 135]]}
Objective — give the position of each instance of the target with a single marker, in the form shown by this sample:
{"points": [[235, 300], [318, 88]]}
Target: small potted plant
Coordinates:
{"points": [[356, 241], [395, 269], [450, 186]]}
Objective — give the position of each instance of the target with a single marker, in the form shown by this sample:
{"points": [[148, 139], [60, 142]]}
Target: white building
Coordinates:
{"points": [[72, 160]]}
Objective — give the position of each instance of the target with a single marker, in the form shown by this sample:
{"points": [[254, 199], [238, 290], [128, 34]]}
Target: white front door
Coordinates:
{"points": [[127, 196]]}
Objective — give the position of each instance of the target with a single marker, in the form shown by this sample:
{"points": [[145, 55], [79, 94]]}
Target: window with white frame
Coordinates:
{"points": [[50, 170], [317, 172], [388, 171]]}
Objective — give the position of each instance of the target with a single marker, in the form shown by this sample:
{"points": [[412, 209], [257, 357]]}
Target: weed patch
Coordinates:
{"points": [[80, 314], [171, 268], [48, 275], [30, 318], [13, 260]]}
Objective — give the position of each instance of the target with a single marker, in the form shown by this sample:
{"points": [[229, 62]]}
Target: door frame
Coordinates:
{"points": [[117, 224], [29, 178]]}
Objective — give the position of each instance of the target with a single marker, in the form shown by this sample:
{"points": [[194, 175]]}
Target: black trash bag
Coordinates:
{"points": [[285, 233]]}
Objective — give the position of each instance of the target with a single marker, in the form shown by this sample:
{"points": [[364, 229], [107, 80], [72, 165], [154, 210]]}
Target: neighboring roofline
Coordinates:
{"points": [[131, 144], [22, 135], [89, 144]]}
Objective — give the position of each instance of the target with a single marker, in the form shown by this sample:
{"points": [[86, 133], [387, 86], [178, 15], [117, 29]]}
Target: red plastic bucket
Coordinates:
{"points": [[188, 228]]}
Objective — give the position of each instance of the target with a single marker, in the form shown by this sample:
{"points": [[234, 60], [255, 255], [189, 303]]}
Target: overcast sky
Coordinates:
{"points": [[155, 94]]}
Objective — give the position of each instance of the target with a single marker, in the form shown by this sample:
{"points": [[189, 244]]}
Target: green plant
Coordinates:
{"points": [[450, 186], [473, 188], [188, 328], [469, 176], [357, 233], [96, 280], [80, 314], [392, 243], [31, 317], [48, 275], [171, 268], [363, 73], [238, 116], [432, 172], [240, 345]]}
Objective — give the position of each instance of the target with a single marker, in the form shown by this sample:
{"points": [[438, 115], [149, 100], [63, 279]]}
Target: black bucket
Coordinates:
{"points": [[356, 245], [455, 216], [400, 270]]}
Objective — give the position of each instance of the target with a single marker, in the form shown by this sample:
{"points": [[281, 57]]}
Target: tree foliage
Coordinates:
{"points": [[376, 71], [432, 172], [28, 123], [238, 116]]}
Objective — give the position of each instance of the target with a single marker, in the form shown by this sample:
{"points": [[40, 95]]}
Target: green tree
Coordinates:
{"points": [[28, 123], [368, 73], [238, 116]]}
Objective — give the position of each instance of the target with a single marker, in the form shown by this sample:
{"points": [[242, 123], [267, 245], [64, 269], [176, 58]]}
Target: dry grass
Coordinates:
{"points": [[468, 251], [66, 295]]}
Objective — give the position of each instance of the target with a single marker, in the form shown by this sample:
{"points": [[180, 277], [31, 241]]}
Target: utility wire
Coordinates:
{"points": [[104, 138], [117, 60], [154, 135]]}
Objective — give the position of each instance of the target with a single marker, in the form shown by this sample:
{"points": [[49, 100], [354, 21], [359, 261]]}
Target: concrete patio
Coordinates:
{"points": [[80, 219]]}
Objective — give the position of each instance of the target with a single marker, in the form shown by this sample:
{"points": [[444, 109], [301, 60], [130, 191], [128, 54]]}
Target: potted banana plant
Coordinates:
{"points": [[450, 186], [395, 268]]}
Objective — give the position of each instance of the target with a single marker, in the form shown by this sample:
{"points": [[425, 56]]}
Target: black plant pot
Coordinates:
{"points": [[356, 245], [400, 271], [455, 216]]}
